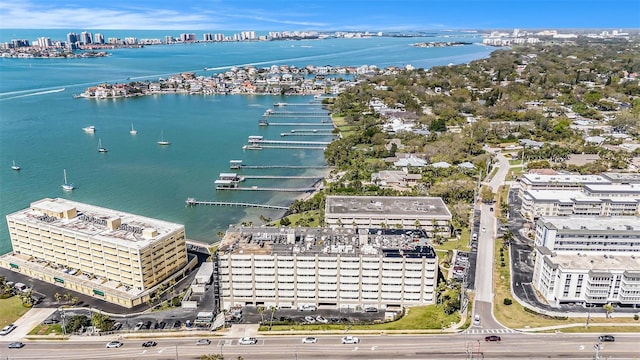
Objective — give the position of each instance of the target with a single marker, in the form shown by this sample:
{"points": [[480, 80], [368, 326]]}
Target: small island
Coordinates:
{"points": [[440, 44]]}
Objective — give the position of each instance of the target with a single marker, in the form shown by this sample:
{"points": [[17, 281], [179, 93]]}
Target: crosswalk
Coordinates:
{"points": [[489, 331]]}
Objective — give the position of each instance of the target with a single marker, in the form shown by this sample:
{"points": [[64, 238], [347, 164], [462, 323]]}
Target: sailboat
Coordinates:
{"points": [[133, 131], [100, 148], [66, 186], [14, 166], [162, 140]]}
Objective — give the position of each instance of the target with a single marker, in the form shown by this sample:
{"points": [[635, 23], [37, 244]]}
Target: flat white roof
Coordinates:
{"points": [[592, 223], [563, 179], [570, 196], [92, 220], [387, 205], [600, 262]]}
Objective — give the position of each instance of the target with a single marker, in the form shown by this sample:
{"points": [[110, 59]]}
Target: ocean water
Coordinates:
{"points": [[41, 127]]}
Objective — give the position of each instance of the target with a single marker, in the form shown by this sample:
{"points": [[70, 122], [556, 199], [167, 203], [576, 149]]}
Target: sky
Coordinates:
{"points": [[321, 15]]}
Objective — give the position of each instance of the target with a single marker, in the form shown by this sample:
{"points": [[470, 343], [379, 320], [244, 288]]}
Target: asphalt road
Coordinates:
{"points": [[455, 346]]}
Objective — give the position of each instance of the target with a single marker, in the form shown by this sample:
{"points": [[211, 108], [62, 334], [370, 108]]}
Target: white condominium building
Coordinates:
{"points": [[594, 200], [407, 212], [558, 182], [333, 268], [113, 255], [587, 278], [591, 234], [588, 259]]}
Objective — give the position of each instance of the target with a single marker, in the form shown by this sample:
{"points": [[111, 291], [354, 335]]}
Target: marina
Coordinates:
{"points": [[194, 202]]}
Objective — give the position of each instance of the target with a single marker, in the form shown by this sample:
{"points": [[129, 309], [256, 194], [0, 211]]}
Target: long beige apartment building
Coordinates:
{"points": [[112, 255]]}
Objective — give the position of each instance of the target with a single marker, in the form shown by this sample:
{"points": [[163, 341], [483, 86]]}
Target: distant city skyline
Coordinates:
{"points": [[327, 15]]}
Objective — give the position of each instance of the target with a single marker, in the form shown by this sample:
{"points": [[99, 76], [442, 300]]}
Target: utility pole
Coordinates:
{"points": [[176, 351]]}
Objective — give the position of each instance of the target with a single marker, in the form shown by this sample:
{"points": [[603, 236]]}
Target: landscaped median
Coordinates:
{"points": [[419, 319], [517, 316]]}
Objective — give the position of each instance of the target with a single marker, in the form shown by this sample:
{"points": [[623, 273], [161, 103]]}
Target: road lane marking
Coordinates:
{"points": [[373, 348], [355, 349]]}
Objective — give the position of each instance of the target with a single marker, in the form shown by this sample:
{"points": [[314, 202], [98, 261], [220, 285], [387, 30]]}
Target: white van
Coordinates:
{"points": [[476, 320], [474, 237]]}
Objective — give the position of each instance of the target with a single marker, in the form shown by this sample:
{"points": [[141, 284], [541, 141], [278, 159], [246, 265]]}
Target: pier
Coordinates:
{"points": [[246, 177], [267, 123], [282, 104], [307, 134], [194, 202], [286, 142], [257, 188], [237, 164]]}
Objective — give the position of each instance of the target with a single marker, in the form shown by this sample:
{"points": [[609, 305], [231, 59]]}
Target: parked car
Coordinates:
{"points": [[114, 344], [492, 338], [322, 320], [307, 307], [248, 341], [7, 329], [484, 229], [139, 326], [607, 338], [203, 342], [371, 309], [476, 320], [149, 344], [117, 326], [309, 340], [310, 319], [350, 340], [50, 321]]}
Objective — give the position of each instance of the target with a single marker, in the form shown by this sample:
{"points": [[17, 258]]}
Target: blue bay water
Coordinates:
{"points": [[42, 130]]}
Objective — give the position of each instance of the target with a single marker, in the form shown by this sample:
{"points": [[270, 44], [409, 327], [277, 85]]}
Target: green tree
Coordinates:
{"points": [[608, 308], [102, 321], [261, 310]]}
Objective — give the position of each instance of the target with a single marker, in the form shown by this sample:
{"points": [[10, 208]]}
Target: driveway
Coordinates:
{"points": [[27, 322]]}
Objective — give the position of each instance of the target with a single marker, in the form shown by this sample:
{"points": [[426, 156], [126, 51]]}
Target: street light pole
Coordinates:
{"points": [[176, 351]]}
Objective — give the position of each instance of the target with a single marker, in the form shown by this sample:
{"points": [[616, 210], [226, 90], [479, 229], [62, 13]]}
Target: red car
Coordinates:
{"points": [[492, 338]]}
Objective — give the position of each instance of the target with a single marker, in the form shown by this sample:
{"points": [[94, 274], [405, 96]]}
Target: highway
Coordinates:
{"points": [[453, 346]]}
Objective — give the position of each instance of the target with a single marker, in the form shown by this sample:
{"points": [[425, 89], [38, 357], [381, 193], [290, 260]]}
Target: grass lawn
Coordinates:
{"points": [[305, 217], [455, 244], [515, 162], [47, 329], [11, 309], [599, 329], [338, 120], [417, 318]]}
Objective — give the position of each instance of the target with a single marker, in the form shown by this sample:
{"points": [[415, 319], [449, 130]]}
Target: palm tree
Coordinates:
{"points": [[58, 297], [609, 308], [261, 312], [272, 309]]}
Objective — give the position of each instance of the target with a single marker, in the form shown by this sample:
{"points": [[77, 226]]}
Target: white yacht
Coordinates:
{"points": [[14, 166], [133, 131], [101, 149], [89, 129], [162, 141], [66, 186]]}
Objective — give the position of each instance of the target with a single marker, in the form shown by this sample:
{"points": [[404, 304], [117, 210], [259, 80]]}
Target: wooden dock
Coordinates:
{"points": [[268, 123], [257, 188], [194, 202], [308, 134], [247, 177], [242, 166]]}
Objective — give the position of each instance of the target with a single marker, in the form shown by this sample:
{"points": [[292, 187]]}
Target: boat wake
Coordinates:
{"points": [[34, 94]]}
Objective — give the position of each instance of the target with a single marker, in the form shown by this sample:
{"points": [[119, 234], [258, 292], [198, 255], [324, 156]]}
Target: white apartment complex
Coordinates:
{"points": [[333, 268], [372, 212], [593, 200], [573, 181], [112, 255], [588, 259]]}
